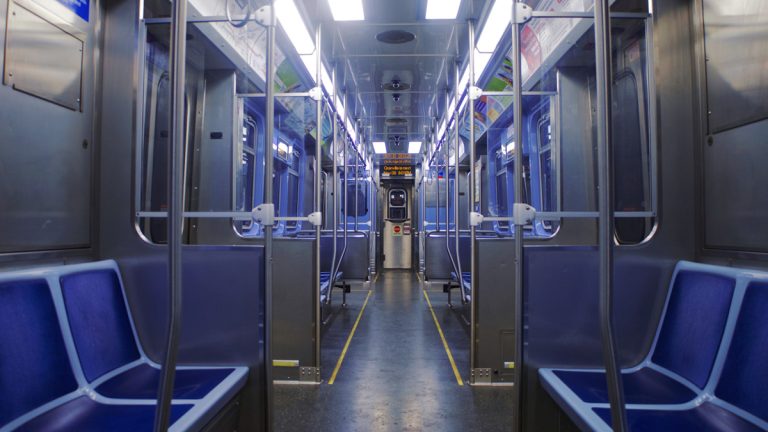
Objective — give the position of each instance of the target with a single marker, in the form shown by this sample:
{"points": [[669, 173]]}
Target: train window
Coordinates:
{"points": [[250, 172], [502, 195], [292, 208], [632, 176], [356, 193], [398, 207], [547, 171]]}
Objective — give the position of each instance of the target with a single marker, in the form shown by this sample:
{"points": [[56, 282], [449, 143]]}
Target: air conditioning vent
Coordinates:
{"points": [[395, 37], [399, 86]]}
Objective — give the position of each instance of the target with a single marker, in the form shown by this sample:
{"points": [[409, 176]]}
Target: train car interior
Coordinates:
{"points": [[384, 215]]}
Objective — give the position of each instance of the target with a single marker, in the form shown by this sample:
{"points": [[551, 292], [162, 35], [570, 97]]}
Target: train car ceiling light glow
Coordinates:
{"points": [[380, 147], [290, 19], [443, 9], [497, 23], [347, 10], [414, 147]]}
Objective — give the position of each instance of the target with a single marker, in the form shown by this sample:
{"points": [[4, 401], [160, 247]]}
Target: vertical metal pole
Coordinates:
{"points": [[447, 167], [518, 183], [318, 187], [472, 198], [176, 209], [437, 176], [334, 176], [456, 183], [357, 175], [344, 188], [605, 201], [269, 198]]}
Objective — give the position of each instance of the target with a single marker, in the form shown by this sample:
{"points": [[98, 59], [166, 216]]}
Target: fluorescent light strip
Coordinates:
{"points": [[340, 108], [482, 60], [351, 131], [443, 9], [464, 80], [414, 147], [497, 23], [327, 81], [380, 147], [347, 10], [290, 19], [441, 131]]}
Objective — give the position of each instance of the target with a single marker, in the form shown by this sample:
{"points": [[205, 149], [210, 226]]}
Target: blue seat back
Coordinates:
{"points": [[694, 323], [34, 366], [99, 321], [744, 378]]}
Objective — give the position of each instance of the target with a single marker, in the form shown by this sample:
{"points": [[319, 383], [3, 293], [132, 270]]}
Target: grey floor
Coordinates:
{"points": [[396, 375]]}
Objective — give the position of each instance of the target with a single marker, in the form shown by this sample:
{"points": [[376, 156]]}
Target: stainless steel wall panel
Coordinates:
{"points": [[495, 299], [42, 58], [212, 173], [735, 35], [46, 150], [293, 303], [736, 203]]}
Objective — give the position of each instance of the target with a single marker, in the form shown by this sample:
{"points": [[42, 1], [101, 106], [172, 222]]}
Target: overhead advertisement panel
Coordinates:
{"points": [[542, 43]]}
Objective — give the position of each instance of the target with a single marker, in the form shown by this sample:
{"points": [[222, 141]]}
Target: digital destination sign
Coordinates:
{"points": [[398, 165]]}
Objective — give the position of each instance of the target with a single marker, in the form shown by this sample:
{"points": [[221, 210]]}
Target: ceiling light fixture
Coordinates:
{"points": [[347, 10], [414, 147], [290, 19], [443, 9], [380, 147], [497, 23]]}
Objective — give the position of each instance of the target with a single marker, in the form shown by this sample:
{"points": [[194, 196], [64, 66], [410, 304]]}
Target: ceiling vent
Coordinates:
{"points": [[395, 37], [396, 85]]}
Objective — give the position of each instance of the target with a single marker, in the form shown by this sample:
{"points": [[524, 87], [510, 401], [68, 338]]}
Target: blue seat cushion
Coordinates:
{"points": [[465, 276], [744, 379], [99, 321], [84, 414], [141, 382], [466, 284], [325, 283], [644, 386], [704, 418], [34, 366], [694, 324]]}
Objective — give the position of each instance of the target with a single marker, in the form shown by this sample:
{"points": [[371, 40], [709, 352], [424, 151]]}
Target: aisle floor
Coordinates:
{"points": [[396, 375]]}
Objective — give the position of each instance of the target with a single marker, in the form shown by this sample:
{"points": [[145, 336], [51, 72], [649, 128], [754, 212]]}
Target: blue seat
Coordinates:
{"points": [[466, 284], [665, 391], [326, 285], [70, 360], [706, 417]]}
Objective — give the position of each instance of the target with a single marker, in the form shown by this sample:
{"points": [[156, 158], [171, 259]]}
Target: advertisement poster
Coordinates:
{"points": [[539, 40]]}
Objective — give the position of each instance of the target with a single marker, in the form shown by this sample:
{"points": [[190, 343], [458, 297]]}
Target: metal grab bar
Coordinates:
{"points": [[334, 161], [604, 76], [318, 191], [516, 25], [346, 208], [269, 198], [176, 221], [456, 185]]}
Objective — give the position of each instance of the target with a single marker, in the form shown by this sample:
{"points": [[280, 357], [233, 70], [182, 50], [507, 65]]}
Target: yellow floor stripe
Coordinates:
{"points": [[349, 340], [445, 343]]}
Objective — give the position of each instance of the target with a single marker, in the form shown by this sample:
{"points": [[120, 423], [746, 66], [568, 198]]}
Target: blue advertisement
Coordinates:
{"points": [[81, 7]]}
